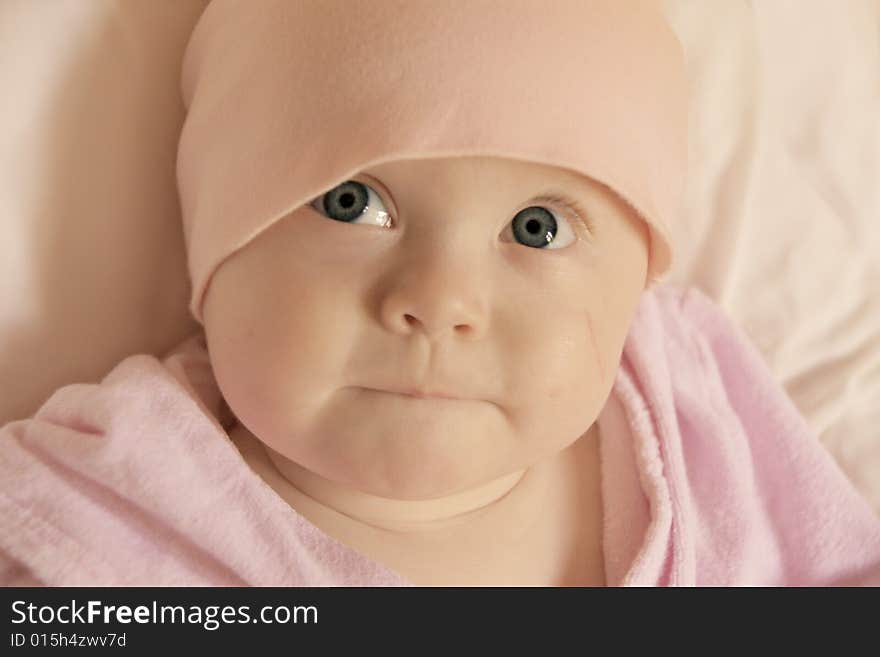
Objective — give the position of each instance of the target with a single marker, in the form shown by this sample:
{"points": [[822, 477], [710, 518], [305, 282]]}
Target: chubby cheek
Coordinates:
{"points": [[275, 365], [565, 378]]}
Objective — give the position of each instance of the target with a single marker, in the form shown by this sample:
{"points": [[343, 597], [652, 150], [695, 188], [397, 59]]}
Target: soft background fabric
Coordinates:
{"points": [[782, 226]]}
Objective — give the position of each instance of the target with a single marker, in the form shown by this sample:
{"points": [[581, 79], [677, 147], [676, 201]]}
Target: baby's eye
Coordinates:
{"points": [[536, 226], [353, 200], [356, 202]]}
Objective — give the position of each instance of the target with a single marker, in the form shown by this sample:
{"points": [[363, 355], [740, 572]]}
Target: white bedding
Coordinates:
{"points": [[783, 221]]}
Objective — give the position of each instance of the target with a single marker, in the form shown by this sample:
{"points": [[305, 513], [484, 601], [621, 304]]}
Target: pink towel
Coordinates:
{"points": [[709, 477]]}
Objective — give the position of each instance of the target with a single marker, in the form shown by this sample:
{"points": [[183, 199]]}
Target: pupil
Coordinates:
{"points": [[347, 199], [533, 226]]}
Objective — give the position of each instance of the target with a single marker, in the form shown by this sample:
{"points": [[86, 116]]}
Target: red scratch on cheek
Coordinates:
{"points": [[599, 360]]}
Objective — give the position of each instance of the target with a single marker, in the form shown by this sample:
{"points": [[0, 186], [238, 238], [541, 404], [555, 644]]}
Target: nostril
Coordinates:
{"points": [[410, 320]]}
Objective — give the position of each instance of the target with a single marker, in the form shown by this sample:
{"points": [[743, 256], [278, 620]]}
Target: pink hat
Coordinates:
{"points": [[285, 100]]}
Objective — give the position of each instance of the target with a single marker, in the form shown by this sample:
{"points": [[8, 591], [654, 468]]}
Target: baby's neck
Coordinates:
{"points": [[449, 512], [532, 524]]}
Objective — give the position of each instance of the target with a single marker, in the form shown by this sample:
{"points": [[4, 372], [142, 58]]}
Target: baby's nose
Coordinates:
{"points": [[440, 293]]}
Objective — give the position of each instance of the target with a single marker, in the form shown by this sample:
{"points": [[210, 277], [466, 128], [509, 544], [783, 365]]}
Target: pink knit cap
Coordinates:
{"points": [[288, 98]]}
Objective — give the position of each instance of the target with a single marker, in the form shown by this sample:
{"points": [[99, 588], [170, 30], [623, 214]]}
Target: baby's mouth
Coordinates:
{"points": [[421, 393]]}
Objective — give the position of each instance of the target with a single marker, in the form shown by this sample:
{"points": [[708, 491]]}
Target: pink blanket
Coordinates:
{"points": [[709, 477]]}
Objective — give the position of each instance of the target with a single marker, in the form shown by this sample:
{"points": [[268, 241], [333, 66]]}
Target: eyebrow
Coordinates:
{"points": [[585, 186], [580, 191]]}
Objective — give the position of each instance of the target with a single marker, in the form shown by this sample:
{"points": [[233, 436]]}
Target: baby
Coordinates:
{"points": [[415, 356], [424, 245]]}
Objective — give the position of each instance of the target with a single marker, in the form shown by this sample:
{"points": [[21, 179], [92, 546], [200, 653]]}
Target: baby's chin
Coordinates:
{"points": [[418, 457], [412, 465]]}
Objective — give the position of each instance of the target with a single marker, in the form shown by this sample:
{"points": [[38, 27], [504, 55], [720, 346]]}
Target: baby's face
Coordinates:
{"points": [[429, 275]]}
